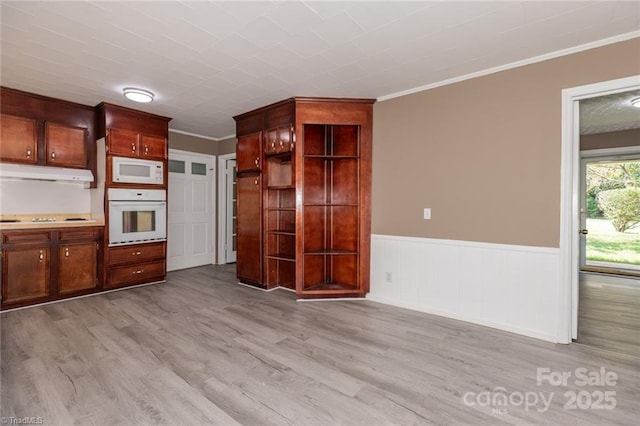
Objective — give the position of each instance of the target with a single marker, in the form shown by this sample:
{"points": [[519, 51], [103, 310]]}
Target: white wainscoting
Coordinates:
{"points": [[512, 288]]}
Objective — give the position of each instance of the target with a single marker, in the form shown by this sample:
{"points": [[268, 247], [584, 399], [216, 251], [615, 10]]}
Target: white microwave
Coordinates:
{"points": [[138, 171]]}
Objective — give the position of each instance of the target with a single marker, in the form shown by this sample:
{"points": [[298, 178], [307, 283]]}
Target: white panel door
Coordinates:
{"points": [[191, 234]]}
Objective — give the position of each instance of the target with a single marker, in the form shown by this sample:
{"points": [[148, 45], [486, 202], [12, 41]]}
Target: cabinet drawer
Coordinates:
{"points": [[136, 274], [26, 237], [79, 234], [136, 253]]}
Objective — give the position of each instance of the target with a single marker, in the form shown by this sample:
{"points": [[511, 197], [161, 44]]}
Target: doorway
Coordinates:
{"points": [[569, 260], [191, 211], [227, 208], [609, 218]]}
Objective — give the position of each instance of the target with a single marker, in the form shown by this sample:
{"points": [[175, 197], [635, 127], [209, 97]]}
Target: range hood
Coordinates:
{"points": [[23, 171]]}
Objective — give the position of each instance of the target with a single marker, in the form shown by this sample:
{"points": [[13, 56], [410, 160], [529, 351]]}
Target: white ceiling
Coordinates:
{"points": [[609, 113], [207, 61]]}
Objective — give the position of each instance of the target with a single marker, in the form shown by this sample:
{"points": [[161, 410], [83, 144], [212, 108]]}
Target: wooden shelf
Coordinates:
{"points": [[282, 209], [329, 205], [281, 232], [332, 157], [330, 253], [279, 187], [332, 287], [285, 156], [282, 256]]}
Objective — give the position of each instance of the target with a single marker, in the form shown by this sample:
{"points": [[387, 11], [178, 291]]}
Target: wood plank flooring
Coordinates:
{"points": [[201, 349], [609, 313]]}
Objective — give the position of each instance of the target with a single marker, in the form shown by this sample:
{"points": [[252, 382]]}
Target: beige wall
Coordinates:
{"points": [[610, 140], [227, 146], [192, 143], [483, 154]]}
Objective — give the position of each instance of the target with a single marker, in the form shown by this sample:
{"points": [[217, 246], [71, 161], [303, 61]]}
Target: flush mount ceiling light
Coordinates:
{"points": [[635, 102], [138, 95]]}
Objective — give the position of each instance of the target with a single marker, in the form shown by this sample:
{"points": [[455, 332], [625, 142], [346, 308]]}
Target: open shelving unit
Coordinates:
{"points": [[331, 209], [304, 196], [280, 213]]}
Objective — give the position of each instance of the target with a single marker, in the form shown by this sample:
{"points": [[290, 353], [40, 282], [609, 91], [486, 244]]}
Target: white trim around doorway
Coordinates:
{"points": [[570, 196], [222, 213]]}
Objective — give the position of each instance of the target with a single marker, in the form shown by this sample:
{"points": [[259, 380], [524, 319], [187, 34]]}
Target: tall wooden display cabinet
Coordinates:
{"points": [[304, 196]]}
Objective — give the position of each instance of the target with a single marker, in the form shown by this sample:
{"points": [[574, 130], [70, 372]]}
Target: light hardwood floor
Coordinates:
{"points": [[609, 313], [202, 349]]}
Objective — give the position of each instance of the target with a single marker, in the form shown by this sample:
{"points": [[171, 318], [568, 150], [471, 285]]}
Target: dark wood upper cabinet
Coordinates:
{"points": [[132, 133], [40, 130], [153, 147], [65, 145], [249, 153], [18, 139], [314, 172]]}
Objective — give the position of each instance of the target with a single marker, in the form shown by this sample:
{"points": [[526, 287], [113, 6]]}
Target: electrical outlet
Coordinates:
{"points": [[427, 214], [388, 277]]}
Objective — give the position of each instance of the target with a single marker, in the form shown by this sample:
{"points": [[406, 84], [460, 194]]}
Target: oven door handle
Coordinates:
{"points": [[138, 203]]}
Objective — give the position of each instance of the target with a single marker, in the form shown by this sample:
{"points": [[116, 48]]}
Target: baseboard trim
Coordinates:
{"points": [[83, 296], [479, 321]]}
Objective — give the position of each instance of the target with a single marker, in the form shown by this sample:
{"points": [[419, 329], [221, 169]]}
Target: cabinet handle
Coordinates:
{"points": [[146, 149], [41, 257], [53, 155], [66, 252], [133, 147], [281, 143], [136, 253], [257, 182], [139, 271], [28, 152], [257, 161], [273, 144]]}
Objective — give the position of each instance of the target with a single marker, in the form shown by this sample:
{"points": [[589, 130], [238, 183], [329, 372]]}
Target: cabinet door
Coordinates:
{"points": [[65, 145], [271, 141], [77, 266], [25, 273], [249, 223], [285, 138], [153, 147], [248, 152], [18, 139], [125, 143]]}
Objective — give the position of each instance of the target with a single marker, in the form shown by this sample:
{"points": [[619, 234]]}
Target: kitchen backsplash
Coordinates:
{"points": [[41, 197]]}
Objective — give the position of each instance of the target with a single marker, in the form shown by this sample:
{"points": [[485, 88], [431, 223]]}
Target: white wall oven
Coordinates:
{"points": [[137, 216], [138, 171]]}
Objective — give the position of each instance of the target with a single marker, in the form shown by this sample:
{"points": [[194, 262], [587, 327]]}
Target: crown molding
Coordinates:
{"points": [[211, 138], [558, 53]]}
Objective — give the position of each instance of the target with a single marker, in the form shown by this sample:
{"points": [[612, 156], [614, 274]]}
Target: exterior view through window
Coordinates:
{"points": [[612, 216]]}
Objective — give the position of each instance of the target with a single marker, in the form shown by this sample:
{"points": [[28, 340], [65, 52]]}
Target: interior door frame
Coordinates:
{"points": [[213, 196], [569, 261], [222, 209]]}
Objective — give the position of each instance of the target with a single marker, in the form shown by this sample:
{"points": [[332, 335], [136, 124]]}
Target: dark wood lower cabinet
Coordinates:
{"points": [[136, 264], [77, 266], [44, 265], [25, 274], [249, 223]]}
